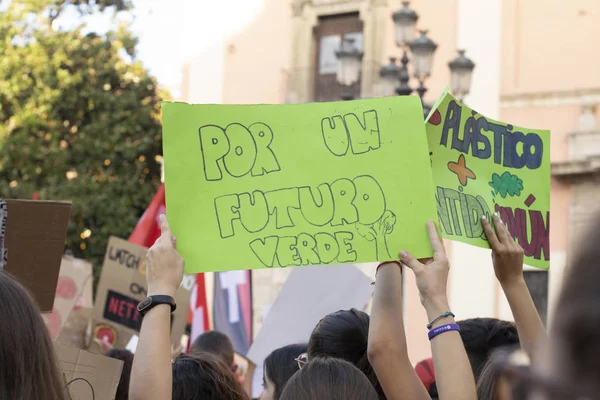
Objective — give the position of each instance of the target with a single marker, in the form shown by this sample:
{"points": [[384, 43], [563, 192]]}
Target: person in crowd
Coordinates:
{"points": [[326, 378], [279, 367], [204, 376], [491, 342], [216, 343], [344, 334], [127, 357], [569, 365], [493, 383], [482, 336], [28, 365], [388, 351], [507, 258], [153, 375]]}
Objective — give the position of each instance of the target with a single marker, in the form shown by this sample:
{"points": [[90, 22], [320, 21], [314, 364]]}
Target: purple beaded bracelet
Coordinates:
{"points": [[441, 329]]}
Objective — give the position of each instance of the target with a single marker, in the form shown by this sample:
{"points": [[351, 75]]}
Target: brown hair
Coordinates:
{"points": [[204, 376], [216, 343], [574, 341], [329, 379], [28, 367]]}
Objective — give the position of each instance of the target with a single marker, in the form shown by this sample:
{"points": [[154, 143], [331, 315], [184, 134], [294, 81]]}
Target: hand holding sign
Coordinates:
{"points": [[507, 255], [164, 269], [432, 275]]}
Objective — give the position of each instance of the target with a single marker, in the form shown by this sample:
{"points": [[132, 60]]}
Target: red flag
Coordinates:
{"points": [[146, 232], [198, 316]]}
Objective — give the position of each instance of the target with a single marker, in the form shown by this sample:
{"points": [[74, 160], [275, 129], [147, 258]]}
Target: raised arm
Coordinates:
{"points": [[453, 374], [507, 257], [151, 374], [387, 349]]}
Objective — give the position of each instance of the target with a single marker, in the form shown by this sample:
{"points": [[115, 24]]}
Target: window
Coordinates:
{"points": [[537, 283], [328, 35]]}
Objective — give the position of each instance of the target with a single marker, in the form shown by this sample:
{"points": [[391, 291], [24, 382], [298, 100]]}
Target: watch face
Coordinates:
{"points": [[144, 303]]}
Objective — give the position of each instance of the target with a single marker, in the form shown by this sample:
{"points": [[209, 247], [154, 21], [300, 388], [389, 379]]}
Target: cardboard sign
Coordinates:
{"points": [[32, 241], [122, 286], [307, 296], [481, 166], [286, 185], [77, 330], [88, 376], [74, 273]]}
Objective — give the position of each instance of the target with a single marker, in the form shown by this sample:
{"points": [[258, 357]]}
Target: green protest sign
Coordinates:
{"points": [[262, 186], [481, 166]]}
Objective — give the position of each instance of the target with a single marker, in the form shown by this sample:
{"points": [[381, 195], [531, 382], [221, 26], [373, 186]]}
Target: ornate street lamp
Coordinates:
{"points": [[405, 22], [461, 71], [422, 49], [348, 67], [389, 77]]}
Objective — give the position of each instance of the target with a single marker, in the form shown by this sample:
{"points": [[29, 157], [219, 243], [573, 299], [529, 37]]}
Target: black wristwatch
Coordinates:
{"points": [[146, 305]]}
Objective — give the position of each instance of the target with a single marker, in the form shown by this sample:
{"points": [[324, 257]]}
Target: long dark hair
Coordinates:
{"points": [[281, 364], [204, 376], [344, 334], [329, 379], [28, 367]]}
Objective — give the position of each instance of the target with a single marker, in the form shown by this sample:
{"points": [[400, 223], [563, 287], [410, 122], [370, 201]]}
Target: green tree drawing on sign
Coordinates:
{"points": [[507, 184], [79, 119]]}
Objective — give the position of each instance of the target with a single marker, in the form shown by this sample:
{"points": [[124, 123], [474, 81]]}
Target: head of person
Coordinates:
{"points": [[481, 336], [204, 376], [279, 367], [28, 366], [325, 378], [344, 334], [572, 357], [127, 357], [216, 343], [495, 381]]}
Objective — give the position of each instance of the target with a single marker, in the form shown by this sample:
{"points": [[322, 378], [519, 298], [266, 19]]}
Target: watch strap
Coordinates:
{"points": [[151, 301]]}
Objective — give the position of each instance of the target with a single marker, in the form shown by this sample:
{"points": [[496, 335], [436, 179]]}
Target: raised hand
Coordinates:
{"points": [[164, 266], [432, 273], [507, 255]]}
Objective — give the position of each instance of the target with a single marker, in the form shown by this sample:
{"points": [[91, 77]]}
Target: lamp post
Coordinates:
{"points": [[348, 67], [405, 23], [389, 77], [461, 71], [422, 49]]}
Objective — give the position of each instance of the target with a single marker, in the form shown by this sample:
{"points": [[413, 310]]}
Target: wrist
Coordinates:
{"points": [[165, 290], [435, 306], [513, 282]]}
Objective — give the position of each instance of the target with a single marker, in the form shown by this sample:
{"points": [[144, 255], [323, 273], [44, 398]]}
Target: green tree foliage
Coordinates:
{"points": [[79, 121]]}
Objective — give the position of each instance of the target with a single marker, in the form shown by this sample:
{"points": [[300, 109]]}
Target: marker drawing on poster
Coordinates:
{"points": [[291, 185], [481, 166]]}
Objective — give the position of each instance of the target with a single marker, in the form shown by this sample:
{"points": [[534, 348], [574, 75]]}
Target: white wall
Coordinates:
{"points": [[204, 78], [472, 287]]}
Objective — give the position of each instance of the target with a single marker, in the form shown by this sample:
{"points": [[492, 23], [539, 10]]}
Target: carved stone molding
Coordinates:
{"points": [[298, 7], [555, 98], [306, 13]]}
